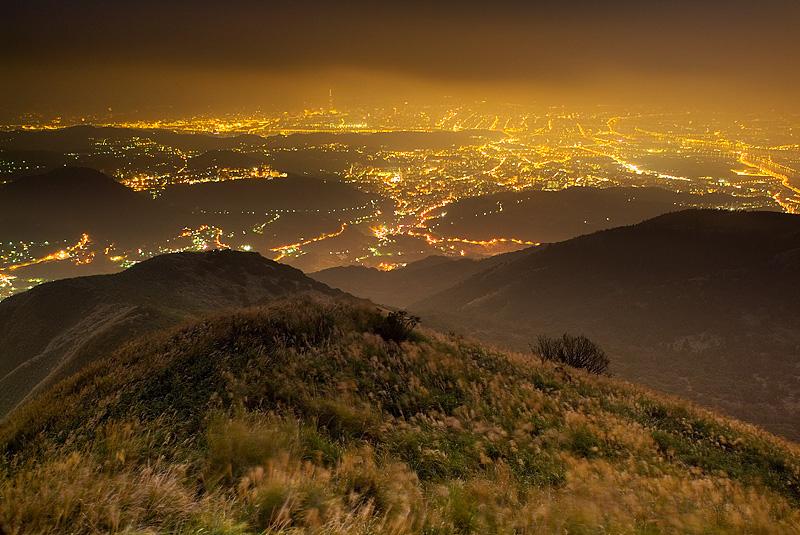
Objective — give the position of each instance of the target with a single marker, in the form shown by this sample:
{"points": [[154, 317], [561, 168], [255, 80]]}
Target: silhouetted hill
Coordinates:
{"points": [[699, 303], [404, 286], [69, 201], [225, 159], [56, 328], [17, 163], [304, 417], [257, 194], [551, 216], [69, 181]]}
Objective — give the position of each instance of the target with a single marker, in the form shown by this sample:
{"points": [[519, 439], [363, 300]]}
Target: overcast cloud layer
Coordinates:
{"points": [[80, 56]]}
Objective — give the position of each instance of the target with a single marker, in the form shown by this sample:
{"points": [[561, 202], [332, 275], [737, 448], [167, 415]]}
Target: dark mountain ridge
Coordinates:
{"points": [[552, 216], [407, 285], [257, 194]]}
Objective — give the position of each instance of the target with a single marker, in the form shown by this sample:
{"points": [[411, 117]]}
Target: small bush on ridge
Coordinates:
{"points": [[397, 326], [575, 351]]}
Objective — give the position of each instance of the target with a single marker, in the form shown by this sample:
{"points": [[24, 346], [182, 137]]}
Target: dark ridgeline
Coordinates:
{"points": [[81, 139], [225, 159], [113, 149], [397, 141], [402, 287], [703, 304], [551, 216], [299, 154], [304, 194]]}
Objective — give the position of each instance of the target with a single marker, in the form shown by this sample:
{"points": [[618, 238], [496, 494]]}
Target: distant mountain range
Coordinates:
{"points": [[57, 328], [700, 303], [398, 141], [80, 138], [225, 159]]}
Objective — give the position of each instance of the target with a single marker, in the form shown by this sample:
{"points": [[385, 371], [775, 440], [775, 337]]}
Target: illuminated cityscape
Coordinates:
{"points": [[412, 163]]}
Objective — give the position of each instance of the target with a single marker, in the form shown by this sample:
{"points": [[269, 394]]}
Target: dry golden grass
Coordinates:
{"points": [[299, 418]]}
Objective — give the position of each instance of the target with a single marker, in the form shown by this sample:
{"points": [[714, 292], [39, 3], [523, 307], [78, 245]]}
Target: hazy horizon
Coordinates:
{"points": [[199, 57]]}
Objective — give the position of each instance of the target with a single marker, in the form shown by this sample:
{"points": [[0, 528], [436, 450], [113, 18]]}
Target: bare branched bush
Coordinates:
{"points": [[575, 351], [397, 326]]}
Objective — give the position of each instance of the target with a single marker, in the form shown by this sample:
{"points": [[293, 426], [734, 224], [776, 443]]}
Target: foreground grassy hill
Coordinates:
{"points": [[317, 416]]}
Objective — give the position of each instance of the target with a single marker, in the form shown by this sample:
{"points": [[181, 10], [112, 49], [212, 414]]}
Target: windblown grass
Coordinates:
{"points": [[300, 418]]}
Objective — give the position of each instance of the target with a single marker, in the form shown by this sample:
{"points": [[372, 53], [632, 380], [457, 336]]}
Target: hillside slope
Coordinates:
{"points": [[300, 417], [699, 303], [295, 192], [55, 328]]}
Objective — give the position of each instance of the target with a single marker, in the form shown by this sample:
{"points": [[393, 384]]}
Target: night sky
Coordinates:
{"points": [[81, 57]]}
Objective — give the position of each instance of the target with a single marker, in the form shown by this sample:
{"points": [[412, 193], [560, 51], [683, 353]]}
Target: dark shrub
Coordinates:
{"points": [[575, 351], [396, 326]]}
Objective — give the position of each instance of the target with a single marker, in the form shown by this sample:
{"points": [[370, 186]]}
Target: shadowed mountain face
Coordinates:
{"points": [[699, 303], [296, 192], [551, 216], [408, 285], [69, 201], [401, 287], [56, 328]]}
